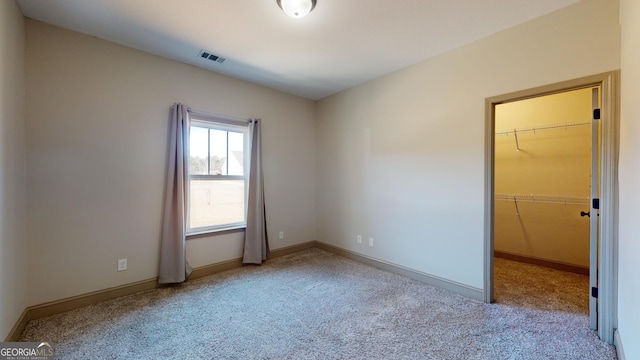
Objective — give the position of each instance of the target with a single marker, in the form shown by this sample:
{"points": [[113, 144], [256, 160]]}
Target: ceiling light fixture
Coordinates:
{"points": [[297, 8]]}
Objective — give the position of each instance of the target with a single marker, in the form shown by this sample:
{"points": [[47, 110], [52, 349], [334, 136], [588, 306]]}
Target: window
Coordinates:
{"points": [[217, 178]]}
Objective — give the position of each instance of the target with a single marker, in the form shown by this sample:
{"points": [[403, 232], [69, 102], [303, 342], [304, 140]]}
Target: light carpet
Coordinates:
{"points": [[313, 305], [538, 287]]}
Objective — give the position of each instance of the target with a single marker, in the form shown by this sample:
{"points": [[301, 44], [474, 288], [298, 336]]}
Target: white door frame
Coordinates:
{"points": [[608, 231]]}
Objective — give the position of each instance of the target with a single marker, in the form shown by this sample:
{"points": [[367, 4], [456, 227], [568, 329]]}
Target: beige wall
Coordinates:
{"points": [[629, 235], [550, 162], [401, 158], [97, 131], [13, 246]]}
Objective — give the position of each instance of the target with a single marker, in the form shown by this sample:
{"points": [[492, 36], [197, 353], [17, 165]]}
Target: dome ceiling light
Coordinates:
{"points": [[297, 8]]}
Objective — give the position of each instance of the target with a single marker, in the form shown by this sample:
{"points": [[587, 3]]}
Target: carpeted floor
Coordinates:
{"points": [[313, 305], [538, 287]]}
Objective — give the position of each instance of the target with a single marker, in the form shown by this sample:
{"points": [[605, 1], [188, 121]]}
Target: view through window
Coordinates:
{"points": [[217, 181]]}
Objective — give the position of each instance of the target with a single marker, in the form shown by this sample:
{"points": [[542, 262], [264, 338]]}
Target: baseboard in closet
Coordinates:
{"points": [[582, 270]]}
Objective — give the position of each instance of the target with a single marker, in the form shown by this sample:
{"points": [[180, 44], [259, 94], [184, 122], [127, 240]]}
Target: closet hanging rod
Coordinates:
{"points": [[546, 199], [546, 127]]}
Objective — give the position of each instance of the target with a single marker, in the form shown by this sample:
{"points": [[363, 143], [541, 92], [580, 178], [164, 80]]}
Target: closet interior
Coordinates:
{"points": [[543, 180]]}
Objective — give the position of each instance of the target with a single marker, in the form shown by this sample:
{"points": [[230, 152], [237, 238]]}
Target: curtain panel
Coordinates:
{"points": [[174, 267], [256, 243]]}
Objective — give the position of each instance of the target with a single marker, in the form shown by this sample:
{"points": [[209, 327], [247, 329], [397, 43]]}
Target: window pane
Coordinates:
{"points": [[216, 202], [218, 152], [236, 153], [198, 150]]}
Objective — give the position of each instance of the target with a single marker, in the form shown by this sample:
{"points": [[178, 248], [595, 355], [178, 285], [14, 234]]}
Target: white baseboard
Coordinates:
{"points": [[617, 342]]}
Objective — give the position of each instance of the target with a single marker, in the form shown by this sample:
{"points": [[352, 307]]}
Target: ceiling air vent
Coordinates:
{"points": [[209, 56]]}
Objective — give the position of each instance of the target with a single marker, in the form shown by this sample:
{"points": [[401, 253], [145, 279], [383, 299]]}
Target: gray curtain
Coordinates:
{"points": [[256, 243], [174, 267]]}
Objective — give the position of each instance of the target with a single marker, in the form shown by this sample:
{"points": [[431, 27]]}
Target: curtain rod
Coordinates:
{"points": [[218, 116]]}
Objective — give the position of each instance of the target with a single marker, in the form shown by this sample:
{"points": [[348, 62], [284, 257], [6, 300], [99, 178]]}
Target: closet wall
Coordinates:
{"points": [[542, 180]]}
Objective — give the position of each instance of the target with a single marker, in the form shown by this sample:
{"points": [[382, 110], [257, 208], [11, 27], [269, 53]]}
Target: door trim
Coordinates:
{"points": [[608, 231], [594, 193]]}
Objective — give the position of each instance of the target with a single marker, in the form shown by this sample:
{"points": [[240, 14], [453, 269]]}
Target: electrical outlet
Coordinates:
{"points": [[122, 264], [371, 242], [359, 239], [281, 235]]}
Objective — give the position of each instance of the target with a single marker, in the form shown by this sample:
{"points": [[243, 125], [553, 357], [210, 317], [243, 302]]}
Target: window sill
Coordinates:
{"points": [[216, 232]]}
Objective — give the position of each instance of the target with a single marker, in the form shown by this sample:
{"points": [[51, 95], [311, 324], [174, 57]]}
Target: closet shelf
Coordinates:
{"points": [[564, 125], [545, 199]]}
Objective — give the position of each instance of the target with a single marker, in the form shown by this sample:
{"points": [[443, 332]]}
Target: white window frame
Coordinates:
{"points": [[210, 122]]}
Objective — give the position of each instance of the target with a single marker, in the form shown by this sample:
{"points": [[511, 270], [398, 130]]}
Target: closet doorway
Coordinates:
{"points": [[542, 184], [550, 199]]}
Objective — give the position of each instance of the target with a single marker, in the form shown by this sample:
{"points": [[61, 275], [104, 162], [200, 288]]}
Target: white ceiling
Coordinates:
{"points": [[342, 43]]}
